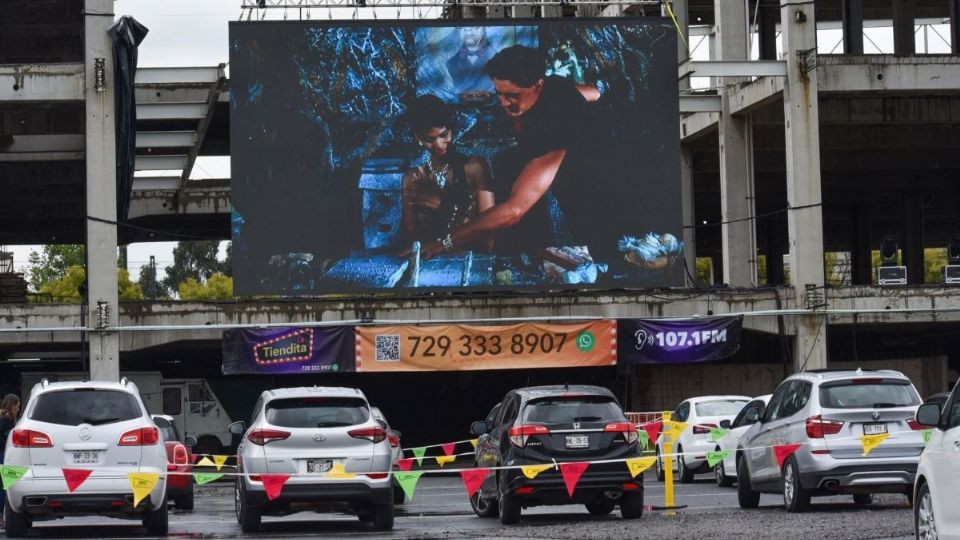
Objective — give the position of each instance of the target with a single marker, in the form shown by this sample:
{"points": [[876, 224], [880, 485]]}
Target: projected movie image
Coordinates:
{"points": [[373, 156]]}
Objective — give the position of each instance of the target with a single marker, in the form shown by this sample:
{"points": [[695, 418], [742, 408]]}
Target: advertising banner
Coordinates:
{"points": [[505, 155], [677, 342], [464, 347], [275, 351]]}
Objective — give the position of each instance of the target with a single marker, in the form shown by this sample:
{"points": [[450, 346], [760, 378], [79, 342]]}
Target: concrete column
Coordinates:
{"points": [[592, 10], [955, 26], [852, 26], [689, 215], [805, 219], [553, 11], [736, 171], [904, 41], [523, 12], [101, 160], [767, 29]]}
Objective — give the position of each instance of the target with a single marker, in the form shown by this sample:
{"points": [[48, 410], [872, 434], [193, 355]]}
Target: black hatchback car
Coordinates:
{"points": [[557, 424]]}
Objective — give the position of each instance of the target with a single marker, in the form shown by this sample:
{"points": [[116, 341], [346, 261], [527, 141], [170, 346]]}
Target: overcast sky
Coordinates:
{"points": [[194, 33]]}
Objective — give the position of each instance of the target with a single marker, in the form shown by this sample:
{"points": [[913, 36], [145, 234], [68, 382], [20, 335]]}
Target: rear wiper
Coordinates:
{"points": [[332, 424], [587, 419], [98, 421], [884, 405]]}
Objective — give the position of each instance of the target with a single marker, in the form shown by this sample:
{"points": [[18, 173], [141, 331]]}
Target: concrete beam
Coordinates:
{"points": [[41, 82], [166, 139], [162, 76], [695, 104], [171, 111], [755, 94], [57, 147], [160, 163], [697, 125], [882, 73], [732, 68], [155, 183]]}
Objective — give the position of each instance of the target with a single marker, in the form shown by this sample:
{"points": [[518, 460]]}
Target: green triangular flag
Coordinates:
{"points": [[205, 478], [926, 436], [644, 438], [419, 452], [717, 433], [12, 473], [716, 457], [408, 481]]}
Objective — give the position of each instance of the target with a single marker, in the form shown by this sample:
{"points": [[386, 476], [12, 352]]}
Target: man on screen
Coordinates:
{"points": [[465, 67], [551, 171]]}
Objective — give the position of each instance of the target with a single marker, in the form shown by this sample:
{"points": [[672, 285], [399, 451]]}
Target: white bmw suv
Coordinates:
{"points": [[336, 454], [100, 427]]}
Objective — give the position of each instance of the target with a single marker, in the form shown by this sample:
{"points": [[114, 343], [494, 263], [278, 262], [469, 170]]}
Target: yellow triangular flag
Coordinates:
{"points": [[205, 462], [339, 471], [638, 465], [142, 484], [219, 461], [442, 460], [675, 428], [474, 442], [872, 441], [531, 471]]}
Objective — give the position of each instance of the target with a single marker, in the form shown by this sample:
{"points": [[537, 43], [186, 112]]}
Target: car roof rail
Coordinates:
{"points": [[44, 382], [124, 381]]}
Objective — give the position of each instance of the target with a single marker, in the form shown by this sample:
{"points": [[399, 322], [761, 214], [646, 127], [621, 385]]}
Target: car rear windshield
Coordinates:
{"points": [[313, 412], [721, 407], [564, 410], [876, 395], [86, 406]]}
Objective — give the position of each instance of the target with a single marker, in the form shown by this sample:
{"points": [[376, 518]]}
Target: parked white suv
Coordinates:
{"points": [[700, 414], [937, 487], [307, 433], [100, 426]]}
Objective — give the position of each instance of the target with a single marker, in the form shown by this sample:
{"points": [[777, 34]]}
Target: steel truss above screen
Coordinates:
{"points": [[295, 4]]}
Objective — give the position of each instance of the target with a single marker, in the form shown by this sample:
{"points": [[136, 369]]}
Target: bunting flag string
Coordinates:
{"points": [[219, 461], [441, 445], [76, 477], [473, 479], [142, 484], [926, 436], [652, 430], [872, 441], [273, 484], [638, 465], [408, 481], [443, 460], [716, 457], [405, 464], [206, 462], [571, 474], [11, 474], [448, 448], [782, 451], [419, 453], [643, 437], [473, 442], [531, 471], [718, 433], [206, 478]]}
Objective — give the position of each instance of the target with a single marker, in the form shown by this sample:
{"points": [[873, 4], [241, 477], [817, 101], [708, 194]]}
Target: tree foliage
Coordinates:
{"points": [[52, 263], [194, 259], [66, 289], [217, 287]]}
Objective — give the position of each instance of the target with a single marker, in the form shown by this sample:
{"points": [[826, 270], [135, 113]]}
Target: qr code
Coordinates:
{"points": [[388, 348]]}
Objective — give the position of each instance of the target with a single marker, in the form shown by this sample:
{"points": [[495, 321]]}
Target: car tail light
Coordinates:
{"points": [[140, 437], [524, 490], [28, 438], [703, 429], [520, 434], [180, 454], [372, 434], [376, 476], [818, 427], [628, 429], [256, 478], [394, 440], [916, 426], [629, 487], [263, 436]]}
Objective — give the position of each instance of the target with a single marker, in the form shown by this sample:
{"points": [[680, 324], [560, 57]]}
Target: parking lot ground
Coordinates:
{"points": [[440, 510]]}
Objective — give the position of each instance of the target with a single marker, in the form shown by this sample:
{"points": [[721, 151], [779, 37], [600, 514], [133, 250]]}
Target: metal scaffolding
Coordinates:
{"points": [[351, 4]]}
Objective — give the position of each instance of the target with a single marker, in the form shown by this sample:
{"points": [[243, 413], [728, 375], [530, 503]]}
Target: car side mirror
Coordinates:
{"points": [[928, 414], [479, 428], [753, 415], [725, 424], [190, 441], [237, 428]]}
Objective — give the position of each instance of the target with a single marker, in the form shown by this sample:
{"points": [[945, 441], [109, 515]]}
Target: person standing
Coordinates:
{"points": [[9, 410]]}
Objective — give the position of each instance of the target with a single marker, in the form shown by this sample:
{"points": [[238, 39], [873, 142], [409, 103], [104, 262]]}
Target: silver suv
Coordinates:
{"points": [[827, 412], [307, 433], [101, 427]]}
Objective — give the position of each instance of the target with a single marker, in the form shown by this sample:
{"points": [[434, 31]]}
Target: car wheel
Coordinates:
{"points": [[631, 505], [600, 507], [925, 526], [483, 507], [659, 465], [795, 498], [185, 501], [509, 509], [862, 499], [686, 475], [721, 475], [157, 521], [248, 515], [383, 516], [16, 523], [746, 496]]}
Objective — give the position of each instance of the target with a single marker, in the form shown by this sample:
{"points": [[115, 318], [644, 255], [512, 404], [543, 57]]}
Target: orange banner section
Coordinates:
{"points": [[466, 347]]}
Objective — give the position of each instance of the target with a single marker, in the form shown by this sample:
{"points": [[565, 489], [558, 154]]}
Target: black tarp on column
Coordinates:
{"points": [[126, 34]]}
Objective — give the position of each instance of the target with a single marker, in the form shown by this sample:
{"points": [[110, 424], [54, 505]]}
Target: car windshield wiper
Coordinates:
{"points": [[587, 419], [97, 421], [884, 405], [333, 424]]}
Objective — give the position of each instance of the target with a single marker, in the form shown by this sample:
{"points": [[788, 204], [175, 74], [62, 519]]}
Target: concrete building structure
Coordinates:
{"points": [[795, 167]]}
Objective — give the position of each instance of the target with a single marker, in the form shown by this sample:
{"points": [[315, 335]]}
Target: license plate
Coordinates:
{"points": [[578, 441], [874, 429], [319, 465], [86, 456]]}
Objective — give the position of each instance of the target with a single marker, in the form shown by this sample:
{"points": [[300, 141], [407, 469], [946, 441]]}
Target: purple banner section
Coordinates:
{"points": [[677, 342], [276, 351]]}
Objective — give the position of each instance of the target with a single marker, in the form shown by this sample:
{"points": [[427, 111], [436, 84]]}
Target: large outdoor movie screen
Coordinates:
{"points": [[506, 155]]}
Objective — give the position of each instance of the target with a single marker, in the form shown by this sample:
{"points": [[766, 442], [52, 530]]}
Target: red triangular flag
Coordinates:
{"points": [[571, 474], [273, 484], [472, 478], [75, 477], [653, 430], [448, 448], [405, 464], [783, 451]]}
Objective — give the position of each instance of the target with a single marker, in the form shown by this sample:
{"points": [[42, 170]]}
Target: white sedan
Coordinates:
{"points": [[937, 485], [726, 469], [700, 414]]}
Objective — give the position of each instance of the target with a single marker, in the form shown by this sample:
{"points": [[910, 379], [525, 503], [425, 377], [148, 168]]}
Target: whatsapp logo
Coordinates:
{"points": [[585, 341]]}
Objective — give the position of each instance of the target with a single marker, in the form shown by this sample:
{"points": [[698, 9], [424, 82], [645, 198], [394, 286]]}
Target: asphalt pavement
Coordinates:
{"points": [[440, 510]]}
